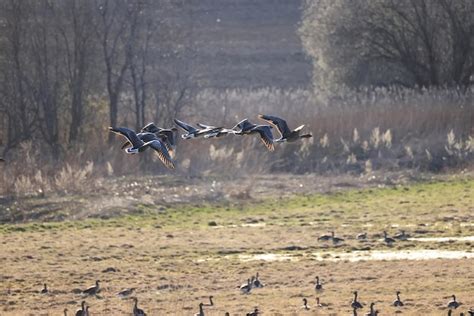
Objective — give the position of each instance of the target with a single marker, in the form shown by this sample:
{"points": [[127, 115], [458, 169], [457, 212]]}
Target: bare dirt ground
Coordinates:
{"points": [[176, 255]]}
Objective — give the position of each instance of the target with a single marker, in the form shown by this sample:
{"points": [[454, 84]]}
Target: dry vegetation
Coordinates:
{"points": [[175, 257]]}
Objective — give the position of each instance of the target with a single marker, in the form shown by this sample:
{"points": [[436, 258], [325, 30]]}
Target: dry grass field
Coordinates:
{"points": [[176, 256]]}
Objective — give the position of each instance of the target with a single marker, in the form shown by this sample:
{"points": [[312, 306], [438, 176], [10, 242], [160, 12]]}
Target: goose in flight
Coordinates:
{"points": [[193, 132], [287, 135], [164, 134], [244, 127], [140, 144], [214, 131]]}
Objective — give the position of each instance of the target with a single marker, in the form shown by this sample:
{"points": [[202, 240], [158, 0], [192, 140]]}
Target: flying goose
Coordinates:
{"points": [[126, 292], [305, 304], [93, 290], [82, 310], [137, 311], [244, 127], [214, 131], [398, 302], [256, 283], [193, 132], [372, 312], [355, 303], [45, 289], [211, 303], [287, 135], [388, 240], [139, 145], [201, 310], [246, 287], [166, 135], [318, 286], [453, 303]]}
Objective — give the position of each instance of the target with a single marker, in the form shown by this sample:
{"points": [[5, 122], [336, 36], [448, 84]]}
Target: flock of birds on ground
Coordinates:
{"points": [[246, 288], [162, 140]]}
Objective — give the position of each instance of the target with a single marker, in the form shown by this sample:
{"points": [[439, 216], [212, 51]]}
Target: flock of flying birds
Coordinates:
{"points": [[163, 141]]}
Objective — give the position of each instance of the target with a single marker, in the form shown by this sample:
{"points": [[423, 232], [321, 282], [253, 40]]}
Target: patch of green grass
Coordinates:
{"points": [[430, 203]]}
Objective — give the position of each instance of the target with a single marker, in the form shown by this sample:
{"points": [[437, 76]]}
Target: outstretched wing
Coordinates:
{"points": [[206, 126], [162, 152], [188, 128], [168, 135], [151, 128], [266, 136], [243, 125], [130, 135], [278, 122]]}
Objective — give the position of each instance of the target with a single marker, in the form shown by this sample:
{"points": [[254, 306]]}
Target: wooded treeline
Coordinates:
{"points": [[65, 65], [423, 43]]}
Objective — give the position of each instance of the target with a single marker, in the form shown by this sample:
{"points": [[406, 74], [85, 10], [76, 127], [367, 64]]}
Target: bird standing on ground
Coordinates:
{"points": [[246, 287], [82, 310], [93, 290], [137, 311], [305, 304], [287, 135], [355, 303], [318, 286], [45, 289], [401, 235], [257, 283], [126, 292], [139, 145], [453, 303], [244, 127], [201, 310], [389, 241], [371, 312], [398, 302]]}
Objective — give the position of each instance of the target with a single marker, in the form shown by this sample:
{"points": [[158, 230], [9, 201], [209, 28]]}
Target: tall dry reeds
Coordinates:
{"points": [[353, 131]]}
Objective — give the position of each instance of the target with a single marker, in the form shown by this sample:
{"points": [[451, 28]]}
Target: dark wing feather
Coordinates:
{"points": [[168, 135], [129, 134], [162, 152], [188, 128], [266, 136], [151, 128], [278, 122]]}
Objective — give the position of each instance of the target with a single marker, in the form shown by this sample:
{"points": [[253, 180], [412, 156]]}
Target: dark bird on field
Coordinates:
{"points": [[44, 290], [93, 290], [305, 304], [453, 303], [362, 236], [82, 310], [254, 313], [244, 127], [201, 310], [398, 302], [319, 304], [471, 311], [246, 287], [371, 312], [257, 283], [137, 311], [65, 311], [318, 286], [386, 239], [401, 235], [193, 132], [287, 135], [326, 237], [126, 292], [146, 140], [355, 303]]}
